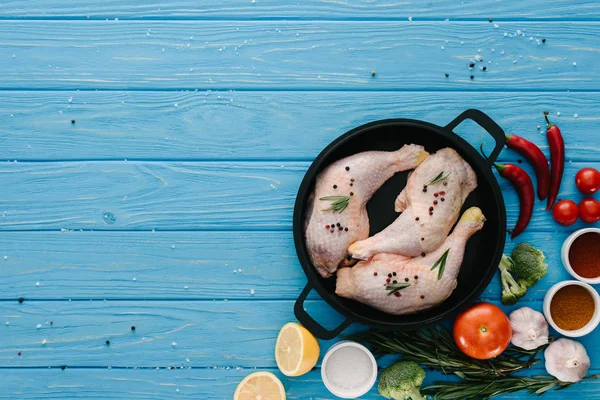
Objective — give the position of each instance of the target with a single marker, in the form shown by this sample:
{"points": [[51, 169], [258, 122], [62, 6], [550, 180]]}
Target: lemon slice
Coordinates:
{"points": [[297, 350], [260, 386]]}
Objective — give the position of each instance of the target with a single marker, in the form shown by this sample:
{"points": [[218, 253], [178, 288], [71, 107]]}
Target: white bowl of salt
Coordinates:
{"points": [[349, 370]]}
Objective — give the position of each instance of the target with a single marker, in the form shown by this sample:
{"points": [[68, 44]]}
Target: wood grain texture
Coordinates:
{"points": [[167, 334], [147, 125], [92, 384], [278, 55], [310, 9], [184, 196], [203, 265]]}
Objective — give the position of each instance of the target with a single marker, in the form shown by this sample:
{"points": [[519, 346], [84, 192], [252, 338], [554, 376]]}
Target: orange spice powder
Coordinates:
{"points": [[572, 307]]}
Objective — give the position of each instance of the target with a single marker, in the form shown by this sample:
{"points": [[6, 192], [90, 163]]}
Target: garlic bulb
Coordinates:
{"points": [[567, 360], [530, 329]]}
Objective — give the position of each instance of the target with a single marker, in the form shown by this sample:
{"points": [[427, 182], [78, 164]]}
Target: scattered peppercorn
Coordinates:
{"points": [[425, 190], [442, 193], [431, 208], [491, 20], [337, 224], [21, 299], [133, 328], [389, 275], [388, 280], [436, 194], [72, 121], [472, 65], [422, 297], [351, 179], [471, 77], [347, 168], [346, 229], [397, 294], [442, 199], [423, 254], [351, 193], [435, 202], [51, 323], [393, 273], [484, 68], [63, 367], [430, 212], [373, 73], [326, 226], [331, 230], [375, 273], [107, 342], [445, 183], [406, 279], [416, 219], [422, 239], [447, 74], [352, 184], [335, 186], [544, 40], [19, 354], [416, 276], [341, 228], [394, 281]]}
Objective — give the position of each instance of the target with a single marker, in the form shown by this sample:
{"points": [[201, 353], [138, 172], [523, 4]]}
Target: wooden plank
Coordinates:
{"points": [[182, 196], [310, 9], [297, 55], [203, 265], [292, 125], [90, 384], [167, 334]]}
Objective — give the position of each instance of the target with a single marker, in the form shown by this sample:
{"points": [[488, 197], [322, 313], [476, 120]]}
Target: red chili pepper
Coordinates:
{"points": [[557, 160], [524, 187], [535, 156]]}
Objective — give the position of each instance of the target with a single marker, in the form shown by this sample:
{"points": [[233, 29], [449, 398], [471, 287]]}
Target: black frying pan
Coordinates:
{"points": [[483, 251]]}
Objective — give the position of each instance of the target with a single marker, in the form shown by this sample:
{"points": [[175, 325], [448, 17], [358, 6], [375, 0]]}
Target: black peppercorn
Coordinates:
{"points": [[484, 68], [341, 228], [416, 219], [107, 342], [21, 299], [425, 189], [63, 367], [472, 65], [447, 74], [405, 279], [430, 212], [389, 275], [393, 273], [422, 239], [352, 184], [347, 168], [423, 254], [335, 186], [416, 276], [472, 77], [351, 193], [422, 297], [337, 224], [544, 40], [374, 273], [394, 281], [491, 20], [346, 229], [133, 328], [72, 121]]}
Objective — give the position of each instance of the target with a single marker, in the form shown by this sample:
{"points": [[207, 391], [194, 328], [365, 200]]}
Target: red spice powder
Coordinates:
{"points": [[584, 255]]}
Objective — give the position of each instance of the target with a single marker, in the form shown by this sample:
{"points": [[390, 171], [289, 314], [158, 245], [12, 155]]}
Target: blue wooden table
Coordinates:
{"points": [[152, 152]]}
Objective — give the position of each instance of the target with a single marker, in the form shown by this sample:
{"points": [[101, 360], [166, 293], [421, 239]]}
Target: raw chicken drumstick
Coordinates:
{"points": [[429, 206], [336, 215], [395, 285]]}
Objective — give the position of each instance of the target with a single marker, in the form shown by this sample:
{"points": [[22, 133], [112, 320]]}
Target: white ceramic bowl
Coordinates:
{"points": [[590, 325], [565, 255], [345, 392]]}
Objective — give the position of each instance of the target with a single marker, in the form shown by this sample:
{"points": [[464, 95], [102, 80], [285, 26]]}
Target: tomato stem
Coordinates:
{"points": [[483, 329]]}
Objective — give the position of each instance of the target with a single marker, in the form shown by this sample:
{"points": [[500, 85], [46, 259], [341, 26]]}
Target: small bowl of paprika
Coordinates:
{"points": [[581, 255], [572, 308]]}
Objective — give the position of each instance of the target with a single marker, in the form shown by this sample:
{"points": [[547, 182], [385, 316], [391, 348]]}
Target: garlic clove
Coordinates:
{"points": [[567, 360], [530, 329]]}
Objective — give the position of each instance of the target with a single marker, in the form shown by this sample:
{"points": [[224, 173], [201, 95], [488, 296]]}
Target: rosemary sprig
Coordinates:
{"points": [[339, 203], [396, 287], [435, 348], [438, 178], [482, 389], [442, 263]]}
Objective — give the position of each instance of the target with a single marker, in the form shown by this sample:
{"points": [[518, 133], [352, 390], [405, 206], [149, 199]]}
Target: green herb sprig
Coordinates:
{"points": [[339, 203], [441, 262], [435, 348], [472, 389], [396, 287], [438, 178]]}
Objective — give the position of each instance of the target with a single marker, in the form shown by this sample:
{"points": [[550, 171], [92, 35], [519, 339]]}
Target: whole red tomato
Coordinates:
{"points": [[588, 180], [565, 212], [482, 332], [589, 210]]}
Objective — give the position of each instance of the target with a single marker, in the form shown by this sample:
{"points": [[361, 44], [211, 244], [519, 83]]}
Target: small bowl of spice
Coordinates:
{"points": [[572, 308], [581, 255], [349, 370]]}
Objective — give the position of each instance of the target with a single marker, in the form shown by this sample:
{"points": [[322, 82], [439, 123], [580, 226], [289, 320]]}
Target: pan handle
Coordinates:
{"points": [[309, 323], [486, 123]]}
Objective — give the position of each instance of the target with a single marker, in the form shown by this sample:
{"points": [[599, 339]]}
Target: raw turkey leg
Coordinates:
{"points": [[336, 214], [368, 281], [429, 210]]}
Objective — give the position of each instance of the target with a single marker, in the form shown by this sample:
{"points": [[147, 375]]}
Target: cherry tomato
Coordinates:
{"points": [[588, 180], [565, 212], [589, 210], [482, 332]]}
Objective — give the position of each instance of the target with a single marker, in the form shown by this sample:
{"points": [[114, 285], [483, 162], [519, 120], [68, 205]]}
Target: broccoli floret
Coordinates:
{"points": [[528, 264], [512, 290], [402, 380]]}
